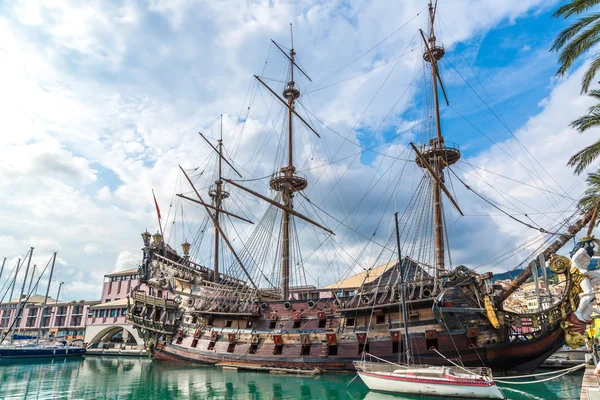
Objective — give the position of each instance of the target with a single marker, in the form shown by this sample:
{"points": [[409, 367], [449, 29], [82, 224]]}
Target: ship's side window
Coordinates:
{"points": [[297, 324], [253, 348], [380, 318], [194, 342], [395, 346], [432, 343], [332, 350], [272, 324], [305, 349], [179, 340], [231, 347], [349, 321], [228, 323], [211, 345], [322, 323]]}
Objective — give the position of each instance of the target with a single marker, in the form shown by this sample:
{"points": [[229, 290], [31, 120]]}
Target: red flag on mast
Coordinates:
{"points": [[156, 204]]}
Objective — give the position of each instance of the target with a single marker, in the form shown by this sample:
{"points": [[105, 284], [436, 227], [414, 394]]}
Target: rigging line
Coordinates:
{"points": [[507, 128], [339, 148], [534, 213], [533, 175], [368, 51], [542, 230], [504, 196], [370, 239], [360, 74], [365, 148], [514, 180], [251, 258]]}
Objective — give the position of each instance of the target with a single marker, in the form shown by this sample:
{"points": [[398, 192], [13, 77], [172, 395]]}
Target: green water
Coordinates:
{"points": [[139, 378]]}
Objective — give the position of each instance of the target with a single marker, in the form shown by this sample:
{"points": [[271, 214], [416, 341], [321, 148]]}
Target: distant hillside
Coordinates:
{"points": [[513, 274]]}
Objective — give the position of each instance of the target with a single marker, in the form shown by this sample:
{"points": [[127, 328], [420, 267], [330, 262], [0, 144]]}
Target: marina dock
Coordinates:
{"points": [[590, 387], [116, 352]]}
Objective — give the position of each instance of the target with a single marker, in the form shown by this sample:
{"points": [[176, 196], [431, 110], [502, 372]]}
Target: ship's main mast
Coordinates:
{"points": [[435, 155], [287, 182]]}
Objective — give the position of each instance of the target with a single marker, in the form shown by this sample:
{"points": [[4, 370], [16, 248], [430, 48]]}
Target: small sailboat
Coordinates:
{"points": [[440, 381], [34, 349]]}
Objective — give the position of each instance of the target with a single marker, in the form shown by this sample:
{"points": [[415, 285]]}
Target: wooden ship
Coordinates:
{"points": [[197, 314]]}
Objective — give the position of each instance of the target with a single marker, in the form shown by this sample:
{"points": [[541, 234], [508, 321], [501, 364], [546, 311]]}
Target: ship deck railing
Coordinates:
{"points": [[153, 300], [194, 267]]}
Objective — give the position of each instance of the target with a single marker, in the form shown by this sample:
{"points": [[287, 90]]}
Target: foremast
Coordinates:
{"points": [[435, 155]]}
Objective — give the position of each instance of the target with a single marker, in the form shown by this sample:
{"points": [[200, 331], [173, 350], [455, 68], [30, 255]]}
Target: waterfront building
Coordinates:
{"points": [[60, 319], [107, 324]]}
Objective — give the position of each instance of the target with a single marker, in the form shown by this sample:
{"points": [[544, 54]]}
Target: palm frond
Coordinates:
{"points": [[590, 74], [591, 196], [573, 30], [592, 120], [579, 45], [574, 7], [585, 157]]}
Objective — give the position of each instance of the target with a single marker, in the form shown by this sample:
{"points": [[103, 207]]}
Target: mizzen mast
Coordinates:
{"points": [[436, 155]]}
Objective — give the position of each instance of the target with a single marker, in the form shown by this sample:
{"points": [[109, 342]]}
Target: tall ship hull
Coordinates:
{"points": [[331, 333]]}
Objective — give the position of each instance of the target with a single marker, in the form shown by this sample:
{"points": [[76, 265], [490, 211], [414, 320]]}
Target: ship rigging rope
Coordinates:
{"points": [[331, 74], [542, 230], [565, 372], [506, 126]]}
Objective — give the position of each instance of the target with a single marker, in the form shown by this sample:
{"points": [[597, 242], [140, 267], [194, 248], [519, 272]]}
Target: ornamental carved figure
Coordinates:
{"points": [[582, 292]]}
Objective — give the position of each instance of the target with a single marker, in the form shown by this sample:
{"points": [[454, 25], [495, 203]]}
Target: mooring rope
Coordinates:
{"points": [[567, 371], [544, 373]]}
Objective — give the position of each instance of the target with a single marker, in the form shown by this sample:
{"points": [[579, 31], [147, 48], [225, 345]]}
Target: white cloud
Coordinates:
{"points": [[126, 260]]}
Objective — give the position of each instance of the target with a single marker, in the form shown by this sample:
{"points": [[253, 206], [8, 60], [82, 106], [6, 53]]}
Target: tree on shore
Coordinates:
{"points": [[591, 196], [571, 44]]}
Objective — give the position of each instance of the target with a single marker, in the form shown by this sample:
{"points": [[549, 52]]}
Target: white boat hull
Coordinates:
{"points": [[430, 387]]}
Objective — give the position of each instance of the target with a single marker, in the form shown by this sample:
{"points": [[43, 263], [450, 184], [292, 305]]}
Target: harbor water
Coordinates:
{"points": [[139, 378]]}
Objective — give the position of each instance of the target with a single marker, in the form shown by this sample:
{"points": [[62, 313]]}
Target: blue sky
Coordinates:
{"points": [[103, 101]]}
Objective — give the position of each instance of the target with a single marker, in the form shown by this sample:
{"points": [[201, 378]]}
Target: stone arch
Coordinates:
{"points": [[108, 332]]}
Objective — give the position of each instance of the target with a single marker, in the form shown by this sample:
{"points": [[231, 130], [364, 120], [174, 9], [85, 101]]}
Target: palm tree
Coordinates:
{"points": [[572, 43], [578, 38], [591, 196], [588, 155]]}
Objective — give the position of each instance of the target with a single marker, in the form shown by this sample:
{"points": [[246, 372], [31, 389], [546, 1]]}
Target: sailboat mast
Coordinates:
{"points": [[402, 292], [2, 269], [41, 319], [22, 292]]}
